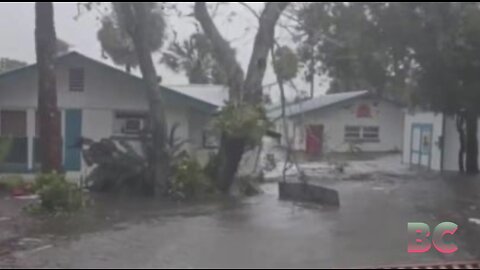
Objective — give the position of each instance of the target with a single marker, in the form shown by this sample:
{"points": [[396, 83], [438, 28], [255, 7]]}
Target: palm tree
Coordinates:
{"points": [[49, 116]]}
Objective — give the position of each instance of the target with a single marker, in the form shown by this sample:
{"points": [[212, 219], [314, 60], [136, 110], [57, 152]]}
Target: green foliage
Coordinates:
{"points": [[114, 38], [447, 49], [286, 63], [44, 180], [358, 45], [58, 195], [119, 168], [243, 121], [211, 167], [7, 64], [427, 53], [5, 146], [190, 181], [12, 182], [195, 57]]}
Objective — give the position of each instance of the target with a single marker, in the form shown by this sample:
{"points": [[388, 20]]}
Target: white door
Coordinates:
{"points": [[421, 145]]}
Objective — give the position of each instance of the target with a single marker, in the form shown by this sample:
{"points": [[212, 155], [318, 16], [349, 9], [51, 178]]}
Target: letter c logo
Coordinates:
{"points": [[439, 233]]}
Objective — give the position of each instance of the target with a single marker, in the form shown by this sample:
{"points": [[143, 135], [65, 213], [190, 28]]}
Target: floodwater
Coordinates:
{"points": [[368, 229]]}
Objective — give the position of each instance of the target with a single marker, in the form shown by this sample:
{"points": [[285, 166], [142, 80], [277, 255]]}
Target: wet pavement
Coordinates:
{"points": [[368, 229]]}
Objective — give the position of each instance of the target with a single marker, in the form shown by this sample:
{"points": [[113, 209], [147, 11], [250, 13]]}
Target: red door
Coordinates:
{"points": [[314, 140]]}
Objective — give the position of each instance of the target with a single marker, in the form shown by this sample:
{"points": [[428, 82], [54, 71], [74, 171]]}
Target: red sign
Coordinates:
{"points": [[364, 111]]}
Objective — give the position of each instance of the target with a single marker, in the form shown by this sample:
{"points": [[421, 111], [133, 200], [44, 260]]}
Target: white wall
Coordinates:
{"points": [[387, 116], [452, 144], [424, 118], [105, 92]]}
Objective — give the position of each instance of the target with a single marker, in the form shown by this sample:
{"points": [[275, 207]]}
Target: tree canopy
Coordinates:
{"points": [[357, 45], [7, 64], [427, 53], [195, 57], [118, 45]]}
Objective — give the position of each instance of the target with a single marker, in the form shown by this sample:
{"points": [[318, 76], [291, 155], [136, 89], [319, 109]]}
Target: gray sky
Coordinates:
{"points": [[17, 31]]}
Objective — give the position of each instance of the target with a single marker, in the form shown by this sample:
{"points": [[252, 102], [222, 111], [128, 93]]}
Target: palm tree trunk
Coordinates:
{"points": [[49, 116], [158, 159]]}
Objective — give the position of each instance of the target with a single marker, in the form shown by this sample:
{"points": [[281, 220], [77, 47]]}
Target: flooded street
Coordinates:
{"points": [[240, 135], [368, 229]]}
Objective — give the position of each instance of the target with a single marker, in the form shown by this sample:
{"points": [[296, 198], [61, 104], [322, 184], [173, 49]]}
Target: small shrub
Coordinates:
{"points": [[58, 195], [16, 185], [210, 169], [189, 181], [11, 182], [44, 180]]}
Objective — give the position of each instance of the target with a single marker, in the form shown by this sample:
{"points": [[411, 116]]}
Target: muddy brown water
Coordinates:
{"points": [[369, 229]]}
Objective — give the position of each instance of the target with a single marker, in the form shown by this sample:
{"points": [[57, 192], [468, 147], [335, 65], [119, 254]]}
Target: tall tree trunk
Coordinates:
{"points": [[230, 153], [135, 14], [49, 116], [471, 142], [248, 89]]}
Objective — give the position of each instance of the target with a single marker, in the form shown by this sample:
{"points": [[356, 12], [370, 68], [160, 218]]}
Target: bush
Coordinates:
{"points": [[58, 195], [189, 181], [11, 182], [16, 185]]}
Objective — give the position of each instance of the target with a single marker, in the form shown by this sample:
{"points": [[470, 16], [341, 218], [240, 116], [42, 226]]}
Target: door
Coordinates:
{"points": [[421, 144], [73, 132], [314, 140]]}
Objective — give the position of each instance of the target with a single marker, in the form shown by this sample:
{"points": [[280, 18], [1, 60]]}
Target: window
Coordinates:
{"points": [[352, 133], [13, 123], [13, 127], [77, 79], [370, 133], [362, 133], [129, 123]]}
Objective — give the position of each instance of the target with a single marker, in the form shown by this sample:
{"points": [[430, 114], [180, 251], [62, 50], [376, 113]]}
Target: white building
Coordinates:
{"points": [[96, 101], [341, 123], [431, 140]]}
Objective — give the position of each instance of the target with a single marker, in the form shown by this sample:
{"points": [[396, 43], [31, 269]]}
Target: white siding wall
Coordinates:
{"points": [[451, 141], [198, 123], [424, 118], [105, 92], [452, 144], [386, 115]]}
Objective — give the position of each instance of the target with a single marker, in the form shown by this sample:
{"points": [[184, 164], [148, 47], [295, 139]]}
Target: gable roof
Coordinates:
{"points": [[315, 103], [187, 93]]}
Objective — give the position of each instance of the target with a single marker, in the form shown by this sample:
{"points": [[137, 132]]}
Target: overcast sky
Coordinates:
{"points": [[17, 32]]}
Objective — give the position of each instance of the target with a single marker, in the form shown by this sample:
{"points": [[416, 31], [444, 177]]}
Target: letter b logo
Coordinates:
{"points": [[419, 237]]}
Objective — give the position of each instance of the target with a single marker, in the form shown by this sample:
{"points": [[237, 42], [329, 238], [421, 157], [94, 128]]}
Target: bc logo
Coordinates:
{"points": [[419, 240]]}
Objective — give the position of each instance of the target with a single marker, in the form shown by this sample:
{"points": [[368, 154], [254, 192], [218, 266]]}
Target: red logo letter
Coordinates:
{"points": [[418, 234]]}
